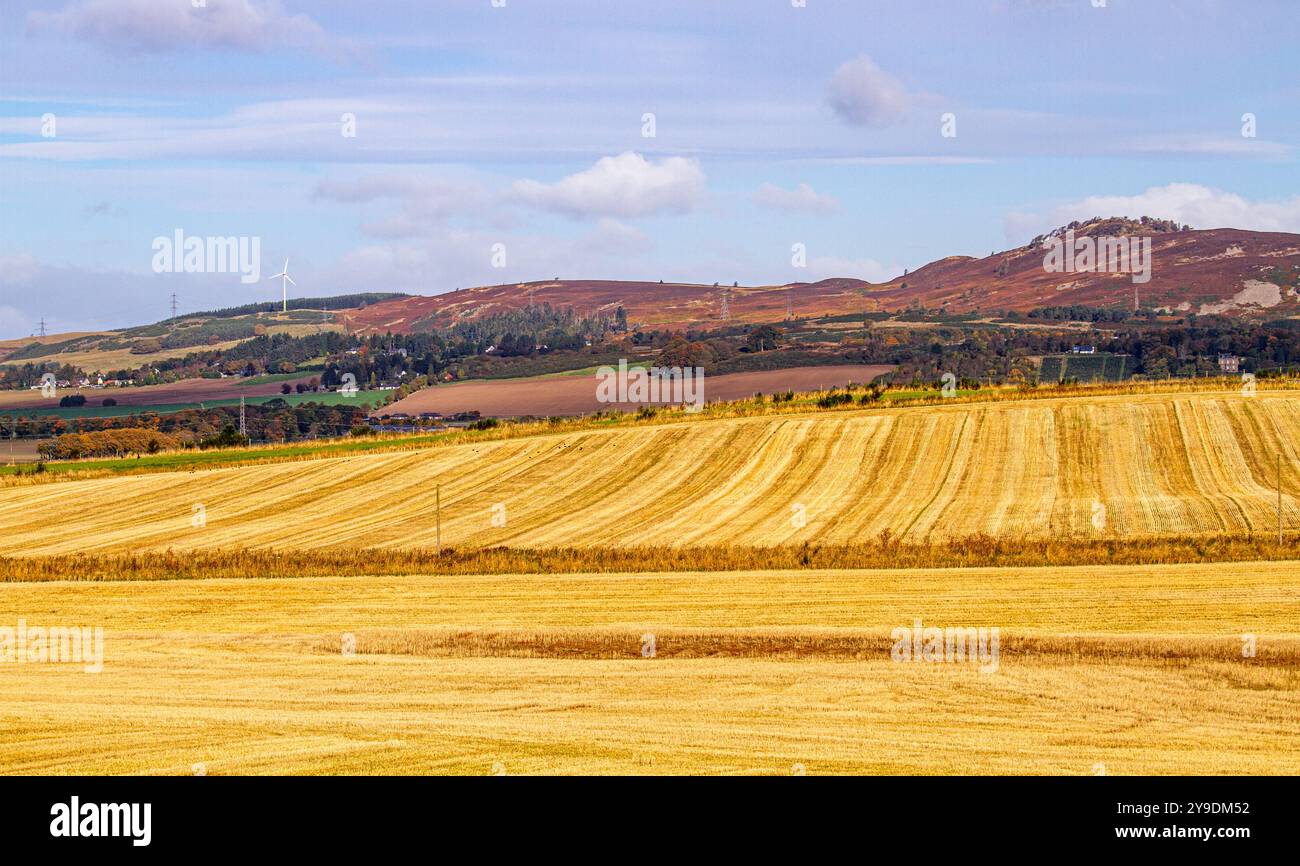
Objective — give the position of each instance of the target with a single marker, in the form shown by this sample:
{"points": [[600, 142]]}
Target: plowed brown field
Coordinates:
{"points": [[576, 395]]}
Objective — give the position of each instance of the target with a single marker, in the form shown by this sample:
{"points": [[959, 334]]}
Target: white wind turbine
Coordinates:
{"points": [[284, 279]]}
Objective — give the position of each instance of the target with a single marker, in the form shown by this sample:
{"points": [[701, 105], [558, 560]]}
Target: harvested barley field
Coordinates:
{"points": [[1142, 669], [1134, 669], [1122, 466]]}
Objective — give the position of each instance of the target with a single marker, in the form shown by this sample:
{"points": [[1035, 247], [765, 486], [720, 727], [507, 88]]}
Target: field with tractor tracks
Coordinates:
{"points": [[1189, 668], [1113, 466]]}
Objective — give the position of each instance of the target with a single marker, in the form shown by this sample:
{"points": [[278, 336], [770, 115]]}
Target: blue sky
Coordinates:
{"points": [[522, 125]]}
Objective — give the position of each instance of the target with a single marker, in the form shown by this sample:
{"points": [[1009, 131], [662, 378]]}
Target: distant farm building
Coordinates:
{"points": [[1229, 364]]}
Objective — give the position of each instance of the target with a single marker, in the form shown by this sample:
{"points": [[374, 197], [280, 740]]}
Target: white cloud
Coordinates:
{"points": [[160, 26], [865, 95], [627, 185], [802, 198], [1201, 207]]}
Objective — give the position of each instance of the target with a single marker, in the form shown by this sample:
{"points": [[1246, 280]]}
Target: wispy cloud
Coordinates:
{"points": [[916, 159], [871, 270], [424, 201], [63, 296], [802, 198], [1206, 144], [863, 94], [164, 26], [443, 259]]}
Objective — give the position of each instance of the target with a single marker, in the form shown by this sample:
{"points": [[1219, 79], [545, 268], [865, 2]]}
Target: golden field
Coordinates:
{"points": [[1135, 668], [224, 655], [1123, 466]]}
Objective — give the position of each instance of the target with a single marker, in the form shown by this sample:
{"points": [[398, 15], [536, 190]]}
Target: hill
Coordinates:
{"points": [[1218, 271], [129, 348], [1228, 271]]}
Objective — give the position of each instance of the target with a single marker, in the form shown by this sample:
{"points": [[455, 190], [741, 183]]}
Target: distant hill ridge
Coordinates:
{"points": [[1222, 271], [1211, 271]]}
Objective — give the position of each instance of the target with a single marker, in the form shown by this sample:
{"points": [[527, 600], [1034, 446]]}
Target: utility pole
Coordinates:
{"points": [[437, 511], [725, 312], [173, 305], [42, 326], [243, 424]]}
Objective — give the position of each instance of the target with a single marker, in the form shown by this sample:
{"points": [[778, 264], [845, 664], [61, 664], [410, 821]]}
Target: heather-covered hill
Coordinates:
{"points": [[1229, 271]]}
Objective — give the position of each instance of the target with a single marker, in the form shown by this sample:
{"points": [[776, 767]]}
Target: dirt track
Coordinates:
{"points": [[575, 395]]}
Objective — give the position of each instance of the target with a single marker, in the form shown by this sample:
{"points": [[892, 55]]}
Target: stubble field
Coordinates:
{"points": [[1119, 466], [1119, 669], [1130, 670]]}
